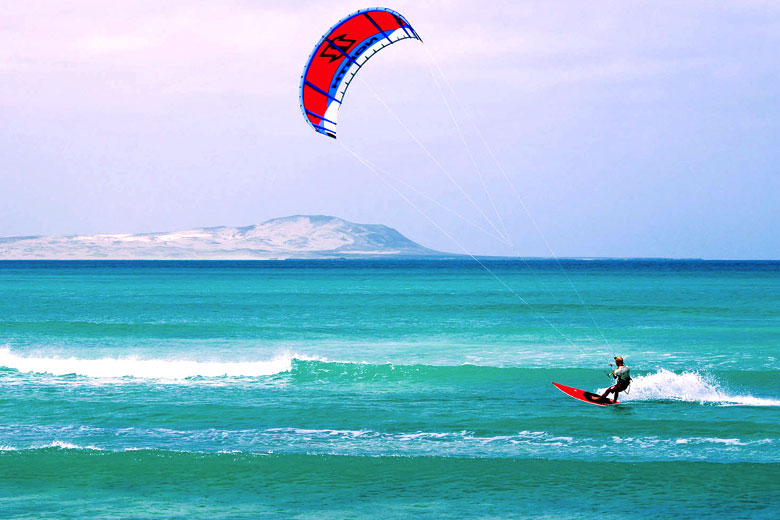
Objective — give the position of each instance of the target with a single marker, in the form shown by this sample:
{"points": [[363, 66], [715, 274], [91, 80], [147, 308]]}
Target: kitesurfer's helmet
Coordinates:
{"points": [[618, 359]]}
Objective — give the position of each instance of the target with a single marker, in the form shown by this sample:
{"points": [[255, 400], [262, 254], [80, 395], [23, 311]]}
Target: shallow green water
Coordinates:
{"points": [[365, 389]]}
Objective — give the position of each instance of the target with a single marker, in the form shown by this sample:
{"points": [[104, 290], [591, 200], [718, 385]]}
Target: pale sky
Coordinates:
{"points": [[630, 129]]}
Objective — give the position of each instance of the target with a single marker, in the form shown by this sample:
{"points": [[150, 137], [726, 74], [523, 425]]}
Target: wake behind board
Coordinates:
{"points": [[582, 395]]}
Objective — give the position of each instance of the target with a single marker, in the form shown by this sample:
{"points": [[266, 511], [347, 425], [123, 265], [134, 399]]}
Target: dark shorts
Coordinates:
{"points": [[620, 386]]}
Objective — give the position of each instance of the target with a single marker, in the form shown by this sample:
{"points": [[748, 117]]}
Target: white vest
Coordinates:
{"points": [[623, 373]]}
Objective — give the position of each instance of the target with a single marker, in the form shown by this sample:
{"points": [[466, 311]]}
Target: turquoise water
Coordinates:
{"points": [[387, 389]]}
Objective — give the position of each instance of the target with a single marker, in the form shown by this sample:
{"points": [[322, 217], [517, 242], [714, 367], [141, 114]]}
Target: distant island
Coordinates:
{"points": [[294, 237]]}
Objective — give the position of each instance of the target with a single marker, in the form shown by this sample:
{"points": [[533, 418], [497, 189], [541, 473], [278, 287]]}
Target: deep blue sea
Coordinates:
{"points": [[388, 389]]}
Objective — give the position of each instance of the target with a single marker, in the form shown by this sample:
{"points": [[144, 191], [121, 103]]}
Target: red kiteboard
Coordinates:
{"points": [[584, 396]]}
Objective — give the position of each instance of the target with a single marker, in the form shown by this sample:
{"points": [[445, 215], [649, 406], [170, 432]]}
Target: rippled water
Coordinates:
{"points": [[376, 388]]}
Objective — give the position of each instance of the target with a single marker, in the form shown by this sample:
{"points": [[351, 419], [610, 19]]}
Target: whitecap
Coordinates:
{"points": [[133, 367], [689, 387]]}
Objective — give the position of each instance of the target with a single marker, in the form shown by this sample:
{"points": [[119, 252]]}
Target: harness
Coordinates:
{"points": [[623, 384]]}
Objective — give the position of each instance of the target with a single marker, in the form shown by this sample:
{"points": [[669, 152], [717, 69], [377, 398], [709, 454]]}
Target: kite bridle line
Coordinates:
{"points": [[478, 170], [439, 204], [451, 178], [431, 64], [379, 174], [508, 240], [320, 115], [433, 158]]}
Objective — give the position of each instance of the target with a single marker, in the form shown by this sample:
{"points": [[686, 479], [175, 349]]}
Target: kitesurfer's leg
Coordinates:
{"points": [[607, 392], [617, 388]]}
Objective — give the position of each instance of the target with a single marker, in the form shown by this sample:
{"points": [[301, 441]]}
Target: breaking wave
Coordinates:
{"points": [[689, 387], [166, 369], [663, 385]]}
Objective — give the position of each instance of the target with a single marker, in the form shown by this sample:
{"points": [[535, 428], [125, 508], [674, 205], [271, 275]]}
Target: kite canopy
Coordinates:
{"points": [[339, 55]]}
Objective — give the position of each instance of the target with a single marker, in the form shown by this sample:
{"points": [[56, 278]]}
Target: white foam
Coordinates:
{"points": [[259, 442], [687, 386], [68, 446], [321, 433], [165, 369]]}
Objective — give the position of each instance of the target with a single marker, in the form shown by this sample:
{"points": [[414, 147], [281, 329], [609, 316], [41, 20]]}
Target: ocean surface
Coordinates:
{"points": [[388, 389]]}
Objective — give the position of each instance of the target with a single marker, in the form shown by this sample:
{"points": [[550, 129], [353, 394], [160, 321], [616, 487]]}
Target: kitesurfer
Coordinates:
{"points": [[623, 376]]}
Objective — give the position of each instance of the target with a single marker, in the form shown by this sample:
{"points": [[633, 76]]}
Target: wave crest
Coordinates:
{"points": [[166, 369]]}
